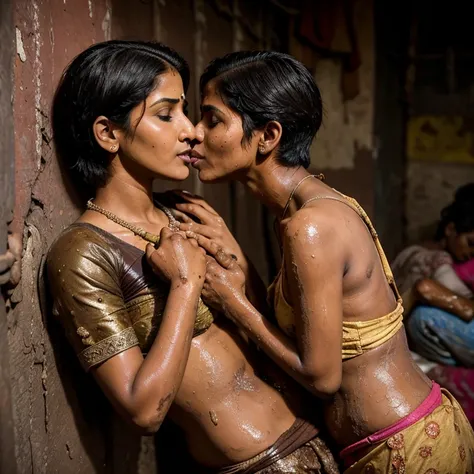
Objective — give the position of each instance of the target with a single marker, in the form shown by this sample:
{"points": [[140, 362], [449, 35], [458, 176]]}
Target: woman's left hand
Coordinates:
{"points": [[225, 281]]}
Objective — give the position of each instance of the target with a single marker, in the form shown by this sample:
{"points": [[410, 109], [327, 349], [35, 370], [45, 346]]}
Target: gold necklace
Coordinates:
{"points": [[148, 236], [275, 222], [319, 176]]}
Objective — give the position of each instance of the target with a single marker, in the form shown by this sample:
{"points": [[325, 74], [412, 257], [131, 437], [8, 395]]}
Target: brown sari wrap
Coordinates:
{"points": [[296, 451]]}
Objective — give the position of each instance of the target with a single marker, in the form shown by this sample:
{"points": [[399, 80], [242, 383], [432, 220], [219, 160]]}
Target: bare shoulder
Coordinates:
{"points": [[324, 222]]}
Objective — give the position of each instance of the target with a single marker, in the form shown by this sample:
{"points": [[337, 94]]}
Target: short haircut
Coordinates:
{"points": [[264, 86]]}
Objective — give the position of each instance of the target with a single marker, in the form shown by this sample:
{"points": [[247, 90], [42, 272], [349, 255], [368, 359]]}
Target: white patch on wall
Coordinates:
{"points": [[20, 49], [38, 68]]}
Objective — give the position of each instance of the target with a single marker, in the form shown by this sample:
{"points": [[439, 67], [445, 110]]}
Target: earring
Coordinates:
{"points": [[113, 148], [261, 149]]}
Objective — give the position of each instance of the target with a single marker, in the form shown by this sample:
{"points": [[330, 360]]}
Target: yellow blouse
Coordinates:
{"points": [[357, 336]]}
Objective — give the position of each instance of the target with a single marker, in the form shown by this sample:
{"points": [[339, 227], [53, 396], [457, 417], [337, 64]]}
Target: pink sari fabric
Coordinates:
{"points": [[465, 271]]}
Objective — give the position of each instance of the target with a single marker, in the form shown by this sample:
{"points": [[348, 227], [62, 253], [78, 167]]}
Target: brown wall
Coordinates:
{"points": [[344, 148], [62, 422], [440, 84], [7, 440]]}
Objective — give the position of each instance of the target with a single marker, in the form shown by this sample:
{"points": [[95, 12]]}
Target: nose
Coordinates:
{"points": [[188, 131], [199, 133]]}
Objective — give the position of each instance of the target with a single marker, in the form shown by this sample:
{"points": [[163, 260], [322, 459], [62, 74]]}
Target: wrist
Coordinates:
{"points": [[186, 286], [236, 305]]}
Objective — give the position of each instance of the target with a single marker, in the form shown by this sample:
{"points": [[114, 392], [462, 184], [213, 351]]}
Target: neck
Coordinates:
{"points": [[272, 183], [128, 197]]}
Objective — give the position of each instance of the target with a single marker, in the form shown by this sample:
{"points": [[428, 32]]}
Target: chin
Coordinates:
{"points": [[175, 174], [208, 176], [213, 176]]}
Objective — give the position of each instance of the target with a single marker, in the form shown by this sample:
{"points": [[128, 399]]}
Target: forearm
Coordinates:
{"points": [[155, 384], [274, 343], [434, 294], [254, 287]]}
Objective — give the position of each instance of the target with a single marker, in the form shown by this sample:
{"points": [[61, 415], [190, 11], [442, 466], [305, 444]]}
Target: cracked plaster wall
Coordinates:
{"points": [[62, 422]]}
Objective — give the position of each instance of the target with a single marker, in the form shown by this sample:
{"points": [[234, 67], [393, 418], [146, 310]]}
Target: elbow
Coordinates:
{"points": [[324, 386], [146, 425]]}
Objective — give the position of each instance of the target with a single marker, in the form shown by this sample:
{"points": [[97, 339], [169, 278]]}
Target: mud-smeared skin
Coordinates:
{"points": [[207, 385], [227, 412], [332, 273]]}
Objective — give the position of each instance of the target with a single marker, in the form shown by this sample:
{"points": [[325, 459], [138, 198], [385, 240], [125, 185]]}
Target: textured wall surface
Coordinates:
{"points": [[343, 149], [62, 423], [431, 187]]}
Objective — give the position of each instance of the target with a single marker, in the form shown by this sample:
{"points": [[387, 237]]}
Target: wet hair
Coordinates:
{"points": [[460, 212], [110, 79], [262, 86]]}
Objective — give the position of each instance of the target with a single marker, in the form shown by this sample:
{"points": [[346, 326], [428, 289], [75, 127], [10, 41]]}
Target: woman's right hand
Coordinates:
{"points": [[212, 227], [177, 259]]}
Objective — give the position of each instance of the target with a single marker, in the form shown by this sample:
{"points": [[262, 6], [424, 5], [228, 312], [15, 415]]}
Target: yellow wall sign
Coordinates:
{"points": [[437, 138]]}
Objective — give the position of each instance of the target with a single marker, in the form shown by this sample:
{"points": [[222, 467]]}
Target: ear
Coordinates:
{"points": [[450, 230], [270, 138], [105, 134]]}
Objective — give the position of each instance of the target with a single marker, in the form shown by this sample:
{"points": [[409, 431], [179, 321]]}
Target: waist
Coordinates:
{"points": [[354, 452], [296, 436]]}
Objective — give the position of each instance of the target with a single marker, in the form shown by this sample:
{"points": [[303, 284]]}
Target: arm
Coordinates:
{"points": [[433, 293], [447, 277], [316, 292], [213, 227], [142, 390], [101, 329]]}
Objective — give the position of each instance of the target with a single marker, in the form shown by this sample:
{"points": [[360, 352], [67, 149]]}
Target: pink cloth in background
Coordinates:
{"points": [[460, 382], [465, 271]]}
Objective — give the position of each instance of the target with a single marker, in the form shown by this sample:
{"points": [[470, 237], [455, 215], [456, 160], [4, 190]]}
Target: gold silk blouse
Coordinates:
{"points": [[106, 295]]}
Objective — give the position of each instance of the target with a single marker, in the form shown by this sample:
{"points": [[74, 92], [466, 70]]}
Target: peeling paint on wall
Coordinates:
{"points": [[346, 125], [37, 71], [20, 49], [107, 23]]}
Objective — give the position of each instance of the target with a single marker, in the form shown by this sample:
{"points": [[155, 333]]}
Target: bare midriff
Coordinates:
{"points": [[378, 388], [228, 414]]}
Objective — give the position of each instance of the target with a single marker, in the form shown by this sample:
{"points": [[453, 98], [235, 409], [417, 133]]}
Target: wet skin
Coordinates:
{"points": [[332, 271], [206, 384]]}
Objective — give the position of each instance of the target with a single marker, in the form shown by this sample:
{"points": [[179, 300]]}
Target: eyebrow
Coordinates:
{"points": [[165, 99], [210, 108]]}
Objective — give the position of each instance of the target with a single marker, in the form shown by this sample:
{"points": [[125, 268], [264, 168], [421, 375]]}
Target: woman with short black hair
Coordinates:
{"points": [[340, 331], [154, 348]]}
